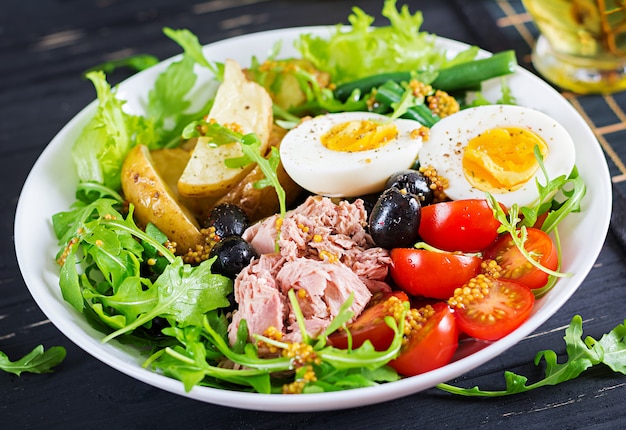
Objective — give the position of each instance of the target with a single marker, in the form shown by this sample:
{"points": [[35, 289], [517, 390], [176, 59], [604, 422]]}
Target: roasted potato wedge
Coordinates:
{"points": [[262, 202], [155, 202], [170, 163], [238, 101], [259, 203]]}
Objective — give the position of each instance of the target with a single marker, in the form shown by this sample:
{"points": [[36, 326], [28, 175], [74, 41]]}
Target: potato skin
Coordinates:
{"points": [[155, 202], [259, 203], [242, 104]]}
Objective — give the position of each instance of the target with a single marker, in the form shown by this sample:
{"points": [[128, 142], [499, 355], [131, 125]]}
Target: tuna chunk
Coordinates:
{"points": [[262, 235], [321, 288], [261, 303], [325, 254], [322, 230]]}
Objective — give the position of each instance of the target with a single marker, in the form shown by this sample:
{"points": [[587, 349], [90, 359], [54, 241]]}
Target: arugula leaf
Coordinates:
{"points": [[571, 188], [250, 146], [69, 281], [168, 104], [72, 228], [89, 192], [614, 347], [157, 262], [116, 254], [509, 224], [573, 196], [329, 379], [185, 293], [36, 361], [116, 291], [324, 369], [515, 223], [133, 297], [190, 366], [195, 360], [68, 224], [507, 97], [581, 355], [129, 227]]}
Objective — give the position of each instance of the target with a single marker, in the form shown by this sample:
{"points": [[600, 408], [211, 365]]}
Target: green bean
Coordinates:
{"points": [[473, 73], [391, 92], [365, 85], [462, 76]]}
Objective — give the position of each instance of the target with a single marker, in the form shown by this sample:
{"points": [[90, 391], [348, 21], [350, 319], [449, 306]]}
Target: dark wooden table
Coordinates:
{"points": [[44, 48]]}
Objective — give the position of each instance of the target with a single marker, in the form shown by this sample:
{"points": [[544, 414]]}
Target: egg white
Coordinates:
{"points": [[449, 137], [345, 174]]}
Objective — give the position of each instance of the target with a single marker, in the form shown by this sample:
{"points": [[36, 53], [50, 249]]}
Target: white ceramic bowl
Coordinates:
{"points": [[51, 184]]}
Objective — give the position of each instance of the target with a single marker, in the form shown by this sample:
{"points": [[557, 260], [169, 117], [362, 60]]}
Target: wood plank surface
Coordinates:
{"points": [[46, 45]]}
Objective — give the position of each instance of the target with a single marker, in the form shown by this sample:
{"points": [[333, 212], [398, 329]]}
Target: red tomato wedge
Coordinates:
{"points": [[459, 225], [505, 306], [516, 267], [430, 347], [370, 324], [425, 273]]}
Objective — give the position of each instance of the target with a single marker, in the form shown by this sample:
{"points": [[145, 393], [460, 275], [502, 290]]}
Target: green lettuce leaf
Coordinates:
{"points": [[365, 50], [104, 142], [101, 147]]}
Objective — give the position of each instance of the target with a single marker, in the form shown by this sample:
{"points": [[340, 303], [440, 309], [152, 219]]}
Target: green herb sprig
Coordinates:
{"points": [[570, 189], [250, 146], [195, 360], [99, 237], [610, 350], [38, 360]]}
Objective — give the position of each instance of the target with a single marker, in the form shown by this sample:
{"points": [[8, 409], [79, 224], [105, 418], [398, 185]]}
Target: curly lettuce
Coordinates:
{"points": [[104, 142], [364, 50]]}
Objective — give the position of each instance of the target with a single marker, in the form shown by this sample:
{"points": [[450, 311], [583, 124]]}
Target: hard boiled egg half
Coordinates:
{"points": [[349, 154], [491, 149]]}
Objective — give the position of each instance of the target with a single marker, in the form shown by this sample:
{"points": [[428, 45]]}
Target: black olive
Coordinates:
{"points": [[228, 220], [395, 219], [233, 254], [414, 182]]}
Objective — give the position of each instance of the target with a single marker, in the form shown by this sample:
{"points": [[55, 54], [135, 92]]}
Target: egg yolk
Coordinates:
{"points": [[502, 159], [359, 135]]}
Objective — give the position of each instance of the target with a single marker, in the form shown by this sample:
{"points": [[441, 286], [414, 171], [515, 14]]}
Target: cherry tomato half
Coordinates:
{"points": [[516, 267], [430, 347], [370, 324], [420, 272], [503, 309], [459, 225]]}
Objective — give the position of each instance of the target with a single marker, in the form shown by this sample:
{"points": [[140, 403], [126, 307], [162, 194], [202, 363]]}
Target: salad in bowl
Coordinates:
{"points": [[371, 209]]}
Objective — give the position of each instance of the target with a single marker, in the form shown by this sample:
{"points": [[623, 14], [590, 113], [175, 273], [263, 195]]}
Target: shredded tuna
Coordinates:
{"points": [[321, 289], [325, 254], [261, 302]]}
